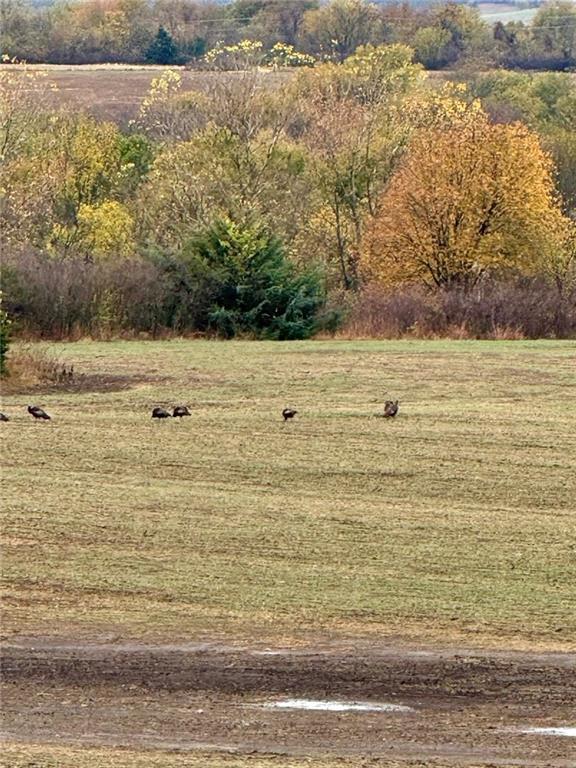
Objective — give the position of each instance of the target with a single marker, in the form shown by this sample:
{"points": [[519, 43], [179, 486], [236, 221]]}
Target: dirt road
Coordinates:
{"points": [[463, 706]]}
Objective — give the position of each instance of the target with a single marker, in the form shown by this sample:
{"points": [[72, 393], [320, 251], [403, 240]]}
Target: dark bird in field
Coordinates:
{"points": [[3, 417], [160, 413], [390, 408], [181, 410], [289, 413], [38, 413]]}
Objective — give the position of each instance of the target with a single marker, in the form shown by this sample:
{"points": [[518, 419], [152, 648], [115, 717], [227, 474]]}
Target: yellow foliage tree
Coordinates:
{"points": [[338, 28], [89, 161], [76, 164], [355, 131], [25, 96], [472, 199], [560, 266], [106, 230], [167, 113], [219, 173]]}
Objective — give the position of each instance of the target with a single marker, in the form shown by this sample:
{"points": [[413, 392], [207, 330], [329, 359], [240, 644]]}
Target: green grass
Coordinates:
{"points": [[453, 522]]}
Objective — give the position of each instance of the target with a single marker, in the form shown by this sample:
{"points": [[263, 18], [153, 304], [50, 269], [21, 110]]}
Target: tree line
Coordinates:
{"points": [[274, 212], [442, 35]]}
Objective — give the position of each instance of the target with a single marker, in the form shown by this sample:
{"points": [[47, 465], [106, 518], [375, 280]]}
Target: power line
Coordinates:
{"points": [[227, 25], [231, 23], [390, 28]]}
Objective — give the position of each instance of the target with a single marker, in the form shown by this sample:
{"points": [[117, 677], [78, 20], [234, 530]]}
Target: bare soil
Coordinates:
{"points": [[468, 706]]}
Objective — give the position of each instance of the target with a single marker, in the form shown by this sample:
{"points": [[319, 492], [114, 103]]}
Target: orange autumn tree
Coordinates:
{"points": [[470, 199]]}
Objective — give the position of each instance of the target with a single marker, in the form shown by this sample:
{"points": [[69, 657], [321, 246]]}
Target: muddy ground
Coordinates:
{"points": [[468, 707]]}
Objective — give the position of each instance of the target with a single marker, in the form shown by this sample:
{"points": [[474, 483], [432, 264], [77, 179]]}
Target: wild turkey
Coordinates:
{"points": [[181, 410], [38, 413], [160, 413], [289, 413], [390, 408], [3, 417]]}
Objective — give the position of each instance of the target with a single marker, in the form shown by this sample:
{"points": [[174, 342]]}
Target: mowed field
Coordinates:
{"points": [[455, 520], [115, 91], [165, 581]]}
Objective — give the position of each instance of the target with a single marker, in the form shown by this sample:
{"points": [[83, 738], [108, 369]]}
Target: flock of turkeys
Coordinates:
{"points": [[390, 410]]}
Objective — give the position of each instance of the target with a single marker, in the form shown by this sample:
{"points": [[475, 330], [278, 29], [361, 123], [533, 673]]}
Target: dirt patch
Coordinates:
{"points": [[102, 383], [82, 383], [465, 707]]}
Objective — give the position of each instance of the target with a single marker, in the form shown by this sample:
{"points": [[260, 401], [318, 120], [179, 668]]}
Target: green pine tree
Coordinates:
{"points": [[163, 49], [249, 286]]}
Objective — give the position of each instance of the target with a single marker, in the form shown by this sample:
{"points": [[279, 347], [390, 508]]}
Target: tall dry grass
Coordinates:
{"points": [[32, 366], [525, 308]]}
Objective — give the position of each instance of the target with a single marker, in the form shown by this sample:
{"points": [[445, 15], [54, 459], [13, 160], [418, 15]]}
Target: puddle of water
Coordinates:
{"points": [[560, 731], [336, 706]]}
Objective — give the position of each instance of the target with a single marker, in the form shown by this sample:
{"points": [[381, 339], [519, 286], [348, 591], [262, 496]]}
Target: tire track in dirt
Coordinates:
{"points": [[465, 706]]}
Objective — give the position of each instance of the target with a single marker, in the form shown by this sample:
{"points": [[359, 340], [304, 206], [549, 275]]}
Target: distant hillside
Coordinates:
{"points": [[505, 12]]}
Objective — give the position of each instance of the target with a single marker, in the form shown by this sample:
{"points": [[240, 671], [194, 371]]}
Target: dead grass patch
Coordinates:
{"points": [[34, 368], [31, 367]]}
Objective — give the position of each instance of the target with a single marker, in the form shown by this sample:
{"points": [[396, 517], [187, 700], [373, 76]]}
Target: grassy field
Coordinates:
{"points": [[115, 91], [454, 522], [61, 757]]}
